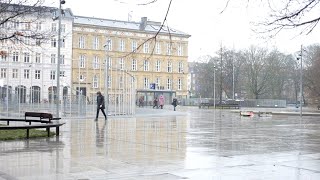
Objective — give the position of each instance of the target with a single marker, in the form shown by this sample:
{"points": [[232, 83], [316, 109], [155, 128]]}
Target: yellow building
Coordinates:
{"points": [[140, 55]]}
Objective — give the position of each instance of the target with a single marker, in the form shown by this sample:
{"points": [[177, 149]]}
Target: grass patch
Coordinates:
{"points": [[22, 134]]}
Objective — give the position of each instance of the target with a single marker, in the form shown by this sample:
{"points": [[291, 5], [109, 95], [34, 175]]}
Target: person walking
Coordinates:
{"points": [[174, 103], [155, 103], [161, 101], [100, 105]]}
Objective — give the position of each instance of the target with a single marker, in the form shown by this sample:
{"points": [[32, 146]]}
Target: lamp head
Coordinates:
{"points": [[62, 2]]}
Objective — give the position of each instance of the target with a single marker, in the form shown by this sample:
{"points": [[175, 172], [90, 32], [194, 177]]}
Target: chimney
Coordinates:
{"points": [[143, 23]]}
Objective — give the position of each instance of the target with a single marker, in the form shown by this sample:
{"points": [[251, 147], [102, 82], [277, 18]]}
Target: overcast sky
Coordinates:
{"points": [[201, 19]]}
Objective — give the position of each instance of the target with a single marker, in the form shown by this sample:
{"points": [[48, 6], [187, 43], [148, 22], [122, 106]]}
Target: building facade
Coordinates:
{"points": [[138, 53], [28, 65]]}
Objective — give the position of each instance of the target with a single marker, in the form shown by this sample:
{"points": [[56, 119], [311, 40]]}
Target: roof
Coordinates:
{"points": [[150, 26]]}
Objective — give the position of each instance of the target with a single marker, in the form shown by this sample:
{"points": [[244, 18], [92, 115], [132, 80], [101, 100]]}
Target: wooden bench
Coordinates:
{"points": [[35, 126], [44, 118]]}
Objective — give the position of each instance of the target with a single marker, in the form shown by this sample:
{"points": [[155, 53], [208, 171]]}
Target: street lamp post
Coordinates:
{"points": [[106, 85], [301, 93], [214, 87], [59, 58]]}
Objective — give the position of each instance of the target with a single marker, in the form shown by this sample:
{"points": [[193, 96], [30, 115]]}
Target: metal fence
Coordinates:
{"points": [[70, 106], [242, 103]]}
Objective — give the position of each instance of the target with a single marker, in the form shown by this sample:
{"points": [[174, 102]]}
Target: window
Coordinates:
{"points": [[3, 73], [15, 56], [14, 73], [121, 45], [134, 46], [95, 63], [109, 45], [146, 47], [169, 68], [146, 65], [168, 49], [3, 37], [180, 67], [109, 81], [53, 75], [168, 83], [134, 65], [3, 58], [53, 27], [38, 42], [27, 40], [38, 26], [37, 74], [62, 74], [53, 42], [109, 60], [95, 43], [146, 83], [26, 57], [180, 50], [121, 64], [158, 80], [63, 28], [158, 48], [95, 81], [158, 66], [16, 24], [26, 73], [63, 43], [82, 61], [38, 58], [121, 82], [81, 77], [27, 26], [179, 84], [61, 59], [53, 58], [81, 42]]}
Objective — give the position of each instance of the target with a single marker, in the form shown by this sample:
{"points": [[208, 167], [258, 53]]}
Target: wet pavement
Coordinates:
{"points": [[190, 143]]}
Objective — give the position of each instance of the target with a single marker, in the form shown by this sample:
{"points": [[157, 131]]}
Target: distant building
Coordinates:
{"points": [[157, 65], [28, 65]]}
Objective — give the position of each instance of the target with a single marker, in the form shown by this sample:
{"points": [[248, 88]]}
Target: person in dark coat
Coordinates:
{"points": [[155, 102], [100, 105], [174, 103]]}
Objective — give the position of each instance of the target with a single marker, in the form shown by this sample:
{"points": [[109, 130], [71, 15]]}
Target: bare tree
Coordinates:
{"points": [[285, 15], [312, 73], [19, 20], [256, 71]]}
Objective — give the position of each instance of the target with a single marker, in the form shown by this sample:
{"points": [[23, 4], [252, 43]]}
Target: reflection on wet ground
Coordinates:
{"points": [[189, 144]]}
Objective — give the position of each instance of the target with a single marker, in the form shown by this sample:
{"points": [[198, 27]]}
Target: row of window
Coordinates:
{"points": [[26, 57], [38, 26], [27, 74], [146, 47], [146, 82], [134, 64]]}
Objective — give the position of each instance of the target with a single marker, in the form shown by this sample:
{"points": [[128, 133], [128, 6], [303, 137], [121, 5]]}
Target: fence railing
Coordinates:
{"points": [[242, 103]]}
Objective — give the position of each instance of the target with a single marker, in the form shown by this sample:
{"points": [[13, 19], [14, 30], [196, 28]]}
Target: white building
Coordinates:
{"points": [[28, 66]]}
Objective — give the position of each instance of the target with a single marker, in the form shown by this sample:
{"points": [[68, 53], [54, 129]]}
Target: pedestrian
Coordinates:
{"points": [[174, 103], [141, 101], [161, 101], [100, 105], [155, 103]]}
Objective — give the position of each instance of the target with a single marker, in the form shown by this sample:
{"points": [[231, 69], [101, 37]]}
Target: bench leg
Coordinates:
{"points": [[57, 131], [27, 133], [48, 130]]}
